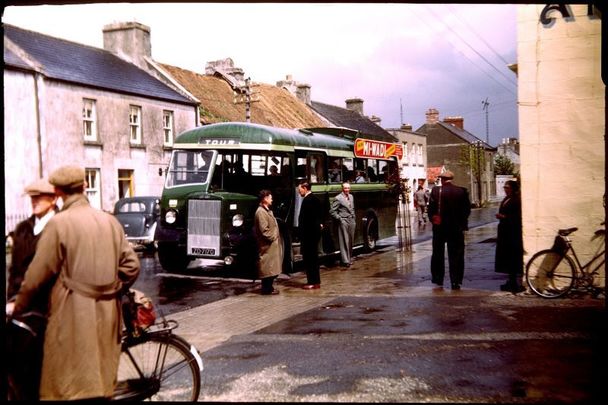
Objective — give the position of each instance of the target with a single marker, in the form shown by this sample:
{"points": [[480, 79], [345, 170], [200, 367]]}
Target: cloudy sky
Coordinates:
{"points": [[401, 59]]}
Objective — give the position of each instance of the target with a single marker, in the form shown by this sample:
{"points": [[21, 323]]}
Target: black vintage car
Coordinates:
{"points": [[139, 216]]}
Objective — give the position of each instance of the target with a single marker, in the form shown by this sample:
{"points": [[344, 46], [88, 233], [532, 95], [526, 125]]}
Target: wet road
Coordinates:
{"points": [[200, 285]]}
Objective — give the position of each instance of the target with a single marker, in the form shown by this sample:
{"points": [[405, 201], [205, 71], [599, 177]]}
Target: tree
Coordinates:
{"points": [[503, 165]]}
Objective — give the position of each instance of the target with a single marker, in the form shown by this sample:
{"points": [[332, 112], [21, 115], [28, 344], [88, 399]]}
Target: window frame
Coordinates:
{"points": [[93, 186], [135, 129], [168, 128], [89, 122]]}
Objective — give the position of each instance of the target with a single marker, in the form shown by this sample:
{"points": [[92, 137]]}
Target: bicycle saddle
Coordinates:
{"points": [[567, 231]]}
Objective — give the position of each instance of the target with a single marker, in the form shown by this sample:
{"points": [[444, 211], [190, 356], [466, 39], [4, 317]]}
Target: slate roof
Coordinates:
{"points": [[343, 117], [85, 65], [461, 133], [274, 106]]}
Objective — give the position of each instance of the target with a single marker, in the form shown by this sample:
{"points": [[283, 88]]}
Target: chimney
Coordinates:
{"points": [[406, 127], [226, 67], [456, 121], [289, 84], [355, 104], [129, 41], [432, 116], [375, 120], [303, 93]]}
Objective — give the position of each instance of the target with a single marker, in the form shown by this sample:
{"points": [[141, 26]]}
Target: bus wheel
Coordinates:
{"points": [[171, 258], [371, 234]]}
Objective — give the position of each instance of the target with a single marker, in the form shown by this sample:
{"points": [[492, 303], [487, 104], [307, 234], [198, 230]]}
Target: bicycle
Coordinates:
{"points": [[554, 272], [156, 364]]}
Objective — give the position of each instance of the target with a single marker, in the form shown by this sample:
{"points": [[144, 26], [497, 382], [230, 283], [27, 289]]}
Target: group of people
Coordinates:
{"points": [[449, 209], [71, 266], [310, 226]]}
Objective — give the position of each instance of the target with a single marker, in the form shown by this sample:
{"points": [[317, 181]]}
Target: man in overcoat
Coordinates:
{"points": [[451, 203], [310, 226], [343, 211], [270, 244], [85, 259], [25, 355]]}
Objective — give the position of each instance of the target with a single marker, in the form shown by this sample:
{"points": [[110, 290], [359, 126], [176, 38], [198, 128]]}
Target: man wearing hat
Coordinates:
{"points": [[25, 359], [449, 209], [85, 261]]}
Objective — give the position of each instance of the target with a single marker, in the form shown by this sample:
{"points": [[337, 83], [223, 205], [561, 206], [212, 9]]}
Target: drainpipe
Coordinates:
{"points": [[38, 76]]}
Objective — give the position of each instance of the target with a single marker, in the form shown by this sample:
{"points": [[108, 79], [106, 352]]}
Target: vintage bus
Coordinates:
{"points": [[216, 172]]}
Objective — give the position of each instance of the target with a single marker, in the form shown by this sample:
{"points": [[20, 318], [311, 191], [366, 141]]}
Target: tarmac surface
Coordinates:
{"points": [[382, 332]]}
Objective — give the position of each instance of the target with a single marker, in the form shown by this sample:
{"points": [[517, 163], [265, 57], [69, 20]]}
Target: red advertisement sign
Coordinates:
{"points": [[367, 148]]}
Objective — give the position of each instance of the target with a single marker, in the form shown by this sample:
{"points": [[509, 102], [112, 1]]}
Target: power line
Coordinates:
{"points": [[510, 80], [453, 10], [476, 65]]}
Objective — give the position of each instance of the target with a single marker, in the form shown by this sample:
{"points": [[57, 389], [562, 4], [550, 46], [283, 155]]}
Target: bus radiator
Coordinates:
{"points": [[204, 227]]}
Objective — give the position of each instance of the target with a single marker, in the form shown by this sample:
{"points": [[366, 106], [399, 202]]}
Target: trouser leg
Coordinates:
{"points": [[438, 256], [456, 257], [310, 257]]}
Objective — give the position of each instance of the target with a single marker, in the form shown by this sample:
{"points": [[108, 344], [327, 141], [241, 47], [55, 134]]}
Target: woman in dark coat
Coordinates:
{"points": [[509, 242]]}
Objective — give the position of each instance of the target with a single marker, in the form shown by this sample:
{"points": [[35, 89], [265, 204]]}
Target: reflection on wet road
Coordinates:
{"points": [[200, 284]]}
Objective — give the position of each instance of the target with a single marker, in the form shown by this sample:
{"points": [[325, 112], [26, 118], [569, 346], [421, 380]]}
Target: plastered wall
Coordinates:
{"points": [[561, 127]]}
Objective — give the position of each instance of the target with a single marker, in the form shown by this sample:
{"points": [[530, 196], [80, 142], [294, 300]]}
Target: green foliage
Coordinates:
{"points": [[474, 157], [503, 165]]}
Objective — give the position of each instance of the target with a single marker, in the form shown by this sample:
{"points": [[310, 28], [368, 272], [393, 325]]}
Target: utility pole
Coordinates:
{"points": [[478, 154], [245, 97], [401, 111], [486, 109]]}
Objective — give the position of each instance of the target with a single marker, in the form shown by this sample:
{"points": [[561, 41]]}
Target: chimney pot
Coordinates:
{"points": [[355, 104]]}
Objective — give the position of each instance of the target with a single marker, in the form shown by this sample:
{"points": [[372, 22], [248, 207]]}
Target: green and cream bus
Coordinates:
{"points": [[216, 172]]}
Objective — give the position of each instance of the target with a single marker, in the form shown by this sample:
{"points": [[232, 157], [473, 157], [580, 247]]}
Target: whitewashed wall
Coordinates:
{"points": [[561, 126]]}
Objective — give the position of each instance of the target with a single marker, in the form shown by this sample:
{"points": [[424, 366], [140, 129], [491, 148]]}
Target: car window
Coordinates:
{"points": [[133, 206]]}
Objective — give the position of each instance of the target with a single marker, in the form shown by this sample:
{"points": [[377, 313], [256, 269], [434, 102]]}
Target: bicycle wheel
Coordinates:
{"points": [[550, 274], [159, 368]]}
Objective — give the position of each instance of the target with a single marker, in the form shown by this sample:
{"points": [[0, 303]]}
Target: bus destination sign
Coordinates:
{"points": [[367, 148]]}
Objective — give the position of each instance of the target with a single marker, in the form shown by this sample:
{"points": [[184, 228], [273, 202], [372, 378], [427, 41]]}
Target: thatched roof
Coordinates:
{"points": [[273, 106]]}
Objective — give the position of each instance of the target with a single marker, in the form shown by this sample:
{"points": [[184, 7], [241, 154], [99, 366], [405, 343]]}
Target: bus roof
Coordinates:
{"points": [[241, 135]]}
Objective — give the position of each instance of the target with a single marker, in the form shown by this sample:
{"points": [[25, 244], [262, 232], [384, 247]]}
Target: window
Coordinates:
{"points": [[125, 183], [93, 188], [89, 120], [168, 128], [135, 125], [406, 156], [419, 159]]}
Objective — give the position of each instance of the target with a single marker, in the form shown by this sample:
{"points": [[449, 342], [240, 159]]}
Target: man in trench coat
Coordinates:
{"points": [[270, 244], [85, 260]]}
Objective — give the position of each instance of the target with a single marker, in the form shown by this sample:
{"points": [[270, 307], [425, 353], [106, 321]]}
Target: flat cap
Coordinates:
{"points": [[67, 177], [40, 186], [447, 175]]}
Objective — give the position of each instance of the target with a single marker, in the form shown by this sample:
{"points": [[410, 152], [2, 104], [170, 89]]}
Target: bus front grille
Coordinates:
{"points": [[204, 227]]}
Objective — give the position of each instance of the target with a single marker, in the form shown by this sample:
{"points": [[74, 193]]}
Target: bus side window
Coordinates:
{"points": [[335, 170], [316, 164]]}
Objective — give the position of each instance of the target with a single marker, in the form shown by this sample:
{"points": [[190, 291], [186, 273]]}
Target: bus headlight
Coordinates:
{"points": [[237, 220], [170, 216]]}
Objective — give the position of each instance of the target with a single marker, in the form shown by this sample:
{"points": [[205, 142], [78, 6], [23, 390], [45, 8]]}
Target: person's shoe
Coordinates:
{"points": [[439, 283], [518, 289], [311, 286], [273, 292], [507, 287], [455, 286]]}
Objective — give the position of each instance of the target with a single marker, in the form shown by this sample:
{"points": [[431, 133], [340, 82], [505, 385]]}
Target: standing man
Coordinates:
{"points": [[420, 201], [270, 243], [85, 261], [310, 226], [343, 210], [449, 209], [24, 363]]}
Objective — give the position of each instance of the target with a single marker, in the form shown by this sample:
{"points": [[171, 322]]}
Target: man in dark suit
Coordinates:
{"points": [[449, 209], [310, 226]]}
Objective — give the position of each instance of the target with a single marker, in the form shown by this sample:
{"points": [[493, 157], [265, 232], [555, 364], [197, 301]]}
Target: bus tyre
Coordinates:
{"points": [[171, 258], [370, 235]]}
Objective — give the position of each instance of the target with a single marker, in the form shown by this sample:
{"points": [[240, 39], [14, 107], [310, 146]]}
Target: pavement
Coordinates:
{"points": [[382, 332]]}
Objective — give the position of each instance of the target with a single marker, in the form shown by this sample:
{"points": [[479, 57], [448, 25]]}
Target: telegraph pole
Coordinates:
{"points": [[486, 109], [245, 97]]}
